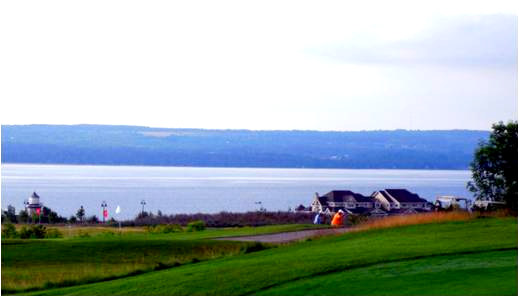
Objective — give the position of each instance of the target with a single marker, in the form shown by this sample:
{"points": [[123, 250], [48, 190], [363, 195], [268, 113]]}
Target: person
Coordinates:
{"points": [[317, 219], [338, 219]]}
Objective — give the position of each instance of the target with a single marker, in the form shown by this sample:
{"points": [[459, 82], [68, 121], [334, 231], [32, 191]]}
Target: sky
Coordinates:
{"points": [[261, 65]]}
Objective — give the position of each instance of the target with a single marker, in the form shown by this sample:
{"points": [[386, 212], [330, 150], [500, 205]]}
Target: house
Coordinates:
{"points": [[391, 199], [350, 202]]}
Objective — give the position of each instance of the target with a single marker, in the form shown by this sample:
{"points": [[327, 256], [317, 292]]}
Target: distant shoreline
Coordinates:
{"points": [[231, 167], [139, 146]]}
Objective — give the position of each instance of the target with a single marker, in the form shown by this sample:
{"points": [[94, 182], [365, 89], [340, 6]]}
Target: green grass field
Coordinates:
{"points": [[475, 257], [30, 264]]}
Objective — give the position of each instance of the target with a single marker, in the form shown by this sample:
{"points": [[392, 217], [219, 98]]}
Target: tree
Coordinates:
{"points": [[72, 220], [494, 169], [23, 216], [11, 214], [53, 217], [93, 220], [80, 214]]}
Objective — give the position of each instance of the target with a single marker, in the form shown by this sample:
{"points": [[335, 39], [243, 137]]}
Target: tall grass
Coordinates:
{"points": [[29, 265], [415, 219]]}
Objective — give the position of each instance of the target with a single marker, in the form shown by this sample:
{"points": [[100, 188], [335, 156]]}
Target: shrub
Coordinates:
{"points": [[37, 231], [196, 226], [53, 233], [9, 231], [169, 228], [229, 219], [25, 232]]}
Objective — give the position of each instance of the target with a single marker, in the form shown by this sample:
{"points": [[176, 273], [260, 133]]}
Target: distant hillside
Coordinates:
{"points": [[131, 145]]}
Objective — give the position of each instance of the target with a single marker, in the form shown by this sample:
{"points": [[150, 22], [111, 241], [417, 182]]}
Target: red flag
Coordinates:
{"points": [[38, 210], [105, 213]]}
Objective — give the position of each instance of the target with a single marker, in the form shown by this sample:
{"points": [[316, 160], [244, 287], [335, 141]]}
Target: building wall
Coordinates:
{"points": [[384, 203]]}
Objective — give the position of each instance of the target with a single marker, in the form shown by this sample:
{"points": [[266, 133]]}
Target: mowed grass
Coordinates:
{"points": [[31, 264], [418, 253], [482, 273]]}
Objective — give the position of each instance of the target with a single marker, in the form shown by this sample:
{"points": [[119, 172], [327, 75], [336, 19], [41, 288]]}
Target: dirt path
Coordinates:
{"points": [[286, 236]]}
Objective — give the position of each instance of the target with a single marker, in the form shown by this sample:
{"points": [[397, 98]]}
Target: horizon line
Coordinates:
{"points": [[255, 130]]}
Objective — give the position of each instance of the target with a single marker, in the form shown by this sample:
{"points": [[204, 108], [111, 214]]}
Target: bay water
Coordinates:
{"points": [[64, 188]]}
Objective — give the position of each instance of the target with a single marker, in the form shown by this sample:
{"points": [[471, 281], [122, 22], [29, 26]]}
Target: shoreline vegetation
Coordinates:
{"points": [[133, 145]]}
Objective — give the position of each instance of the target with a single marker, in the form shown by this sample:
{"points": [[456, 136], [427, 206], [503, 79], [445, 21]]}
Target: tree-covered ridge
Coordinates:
{"points": [[132, 145]]}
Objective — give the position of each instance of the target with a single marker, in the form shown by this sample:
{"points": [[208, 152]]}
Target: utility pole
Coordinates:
{"points": [[260, 204], [143, 203]]}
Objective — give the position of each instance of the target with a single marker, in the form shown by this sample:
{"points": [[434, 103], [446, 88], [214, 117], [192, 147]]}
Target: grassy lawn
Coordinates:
{"points": [[485, 250], [30, 264], [437, 275]]}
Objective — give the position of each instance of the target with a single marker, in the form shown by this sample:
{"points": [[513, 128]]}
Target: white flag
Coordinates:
{"points": [[118, 209]]}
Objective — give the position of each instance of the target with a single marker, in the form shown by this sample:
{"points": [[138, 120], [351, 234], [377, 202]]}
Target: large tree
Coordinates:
{"points": [[494, 169]]}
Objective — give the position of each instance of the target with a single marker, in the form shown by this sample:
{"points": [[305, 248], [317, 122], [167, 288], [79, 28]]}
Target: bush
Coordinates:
{"points": [[9, 231], [169, 228], [196, 226], [228, 219], [25, 232], [53, 233], [37, 231]]}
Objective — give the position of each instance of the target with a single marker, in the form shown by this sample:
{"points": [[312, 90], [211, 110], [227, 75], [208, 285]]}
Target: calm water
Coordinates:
{"points": [[188, 189]]}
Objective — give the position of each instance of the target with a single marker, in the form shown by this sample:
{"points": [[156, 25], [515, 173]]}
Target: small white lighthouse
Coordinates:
{"points": [[34, 205]]}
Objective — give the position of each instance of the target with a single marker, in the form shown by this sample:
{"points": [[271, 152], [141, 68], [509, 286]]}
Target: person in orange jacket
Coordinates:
{"points": [[338, 219]]}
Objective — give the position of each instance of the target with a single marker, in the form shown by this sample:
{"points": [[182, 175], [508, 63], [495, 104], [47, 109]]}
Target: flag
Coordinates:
{"points": [[118, 209], [105, 213]]}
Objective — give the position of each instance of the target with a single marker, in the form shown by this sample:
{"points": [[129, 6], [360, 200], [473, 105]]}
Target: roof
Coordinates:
{"points": [[403, 195], [341, 196], [388, 198], [34, 195]]}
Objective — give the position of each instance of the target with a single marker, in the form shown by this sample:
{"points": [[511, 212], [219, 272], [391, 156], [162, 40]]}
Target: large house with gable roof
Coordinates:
{"points": [[380, 203], [394, 199], [348, 201]]}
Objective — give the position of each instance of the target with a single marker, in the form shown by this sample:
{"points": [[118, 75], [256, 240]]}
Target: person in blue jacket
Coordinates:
{"points": [[317, 219]]}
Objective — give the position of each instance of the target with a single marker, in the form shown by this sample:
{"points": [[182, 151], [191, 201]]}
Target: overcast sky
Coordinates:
{"points": [[319, 65]]}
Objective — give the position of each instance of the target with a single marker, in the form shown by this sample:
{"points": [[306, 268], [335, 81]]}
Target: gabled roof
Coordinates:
{"points": [[403, 195], [341, 196], [386, 195], [322, 200]]}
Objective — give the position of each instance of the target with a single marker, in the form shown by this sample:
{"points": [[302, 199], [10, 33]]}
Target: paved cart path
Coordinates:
{"points": [[286, 236]]}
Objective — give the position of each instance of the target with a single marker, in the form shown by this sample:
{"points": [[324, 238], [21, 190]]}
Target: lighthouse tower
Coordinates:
{"points": [[34, 206]]}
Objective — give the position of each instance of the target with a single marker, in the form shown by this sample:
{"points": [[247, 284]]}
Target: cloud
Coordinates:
{"points": [[462, 41]]}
